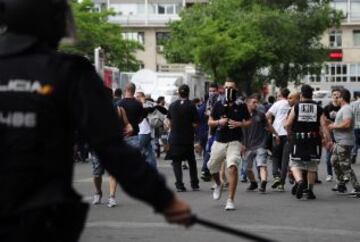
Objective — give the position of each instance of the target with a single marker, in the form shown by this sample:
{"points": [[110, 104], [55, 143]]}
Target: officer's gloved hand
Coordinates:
{"points": [[179, 212]]}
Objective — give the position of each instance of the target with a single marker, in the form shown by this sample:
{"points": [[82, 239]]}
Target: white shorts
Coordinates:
{"points": [[220, 152]]}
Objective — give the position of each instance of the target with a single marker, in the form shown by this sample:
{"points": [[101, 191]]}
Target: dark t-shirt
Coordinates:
{"points": [[237, 112], [307, 117], [134, 111], [182, 114], [330, 111], [306, 141], [256, 136]]}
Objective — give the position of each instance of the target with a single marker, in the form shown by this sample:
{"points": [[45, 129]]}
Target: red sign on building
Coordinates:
{"points": [[336, 55]]}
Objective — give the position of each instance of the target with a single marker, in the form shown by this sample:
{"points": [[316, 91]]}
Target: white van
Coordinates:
{"points": [[322, 97]]}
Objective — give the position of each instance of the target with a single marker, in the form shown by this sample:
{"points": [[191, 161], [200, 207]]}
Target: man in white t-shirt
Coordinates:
{"points": [[277, 115], [145, 132]]}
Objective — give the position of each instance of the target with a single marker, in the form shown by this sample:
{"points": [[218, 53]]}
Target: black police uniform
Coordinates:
{"points": [[44, 97], [306, 140]]}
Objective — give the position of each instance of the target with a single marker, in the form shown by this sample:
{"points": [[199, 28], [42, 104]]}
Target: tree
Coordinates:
{"points": [[94, 30], [238, 38]]}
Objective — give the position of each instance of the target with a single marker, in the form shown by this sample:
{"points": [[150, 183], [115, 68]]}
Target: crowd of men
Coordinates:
{"points": [[50, 99], [240, 137]]}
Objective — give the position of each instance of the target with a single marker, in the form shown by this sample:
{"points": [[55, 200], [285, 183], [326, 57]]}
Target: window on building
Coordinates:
{"points": [[355, 9], [170, 9], [135, 36], [164, 9], [340, 5], [338, 73], [356, 37], [314, 73], [161, 9], [335, 38], [129, 8], [162, 37], [167, 9], [354, 72], [179, 7]]}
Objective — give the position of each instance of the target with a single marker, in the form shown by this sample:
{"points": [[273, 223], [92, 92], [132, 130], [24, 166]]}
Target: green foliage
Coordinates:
{"points": [[237, 38], [94, 30]]}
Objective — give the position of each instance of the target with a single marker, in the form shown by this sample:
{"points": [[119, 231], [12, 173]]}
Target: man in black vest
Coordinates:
{"points": [[44, 97], [305, 145]]}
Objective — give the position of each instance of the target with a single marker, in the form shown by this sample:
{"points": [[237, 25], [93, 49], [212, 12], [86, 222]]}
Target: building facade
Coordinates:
{"points": [[343, 67], [146, 21]]}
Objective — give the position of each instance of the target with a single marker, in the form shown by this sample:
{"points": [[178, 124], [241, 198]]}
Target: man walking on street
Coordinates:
{"points": [[279, 112], [183, 119], [228, 118], [254, 145], [213, 98], [304, 122], [330, 112], [344, 141]]}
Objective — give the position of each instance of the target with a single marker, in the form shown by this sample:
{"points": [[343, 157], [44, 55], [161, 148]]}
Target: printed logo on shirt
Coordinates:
{"points": [[333, 114], [284, 111], [307, 112], [19, 85], [18, 119]]}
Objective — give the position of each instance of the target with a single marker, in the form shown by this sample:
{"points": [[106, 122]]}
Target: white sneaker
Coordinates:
{"points": [[229, 205], [213, 187], [97, 199], [329, 178], [217, 192], [111, 202]]}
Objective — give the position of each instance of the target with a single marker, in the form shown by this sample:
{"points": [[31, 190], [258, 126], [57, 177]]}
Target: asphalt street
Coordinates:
{"points": [[275, 215]]}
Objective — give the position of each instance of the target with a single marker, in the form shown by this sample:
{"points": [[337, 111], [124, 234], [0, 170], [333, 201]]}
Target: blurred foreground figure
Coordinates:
{"points": [[44, 97]]}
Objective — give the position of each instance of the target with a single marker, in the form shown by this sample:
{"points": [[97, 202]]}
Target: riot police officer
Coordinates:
{"points": [[44, 97], [304, 124]]}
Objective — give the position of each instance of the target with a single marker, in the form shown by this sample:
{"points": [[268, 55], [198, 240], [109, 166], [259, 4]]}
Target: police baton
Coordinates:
{"points": [[226, 229]]}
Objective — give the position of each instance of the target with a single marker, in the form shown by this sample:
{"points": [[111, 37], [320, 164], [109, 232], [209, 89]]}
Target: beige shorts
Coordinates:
{"points": [[220, 152]]}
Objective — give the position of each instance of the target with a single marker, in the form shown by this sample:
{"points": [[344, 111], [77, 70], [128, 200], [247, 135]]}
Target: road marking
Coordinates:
{"points": [[254, 228]]}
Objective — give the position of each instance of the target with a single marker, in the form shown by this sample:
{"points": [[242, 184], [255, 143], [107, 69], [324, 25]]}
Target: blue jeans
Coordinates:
{"points": [[133, 141], [207, 152], [328, 163], [147, 149], [243, 170]]}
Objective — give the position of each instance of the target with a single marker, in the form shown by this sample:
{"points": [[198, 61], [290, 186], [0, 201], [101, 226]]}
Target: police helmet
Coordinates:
{"points": [[24, 23]]}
